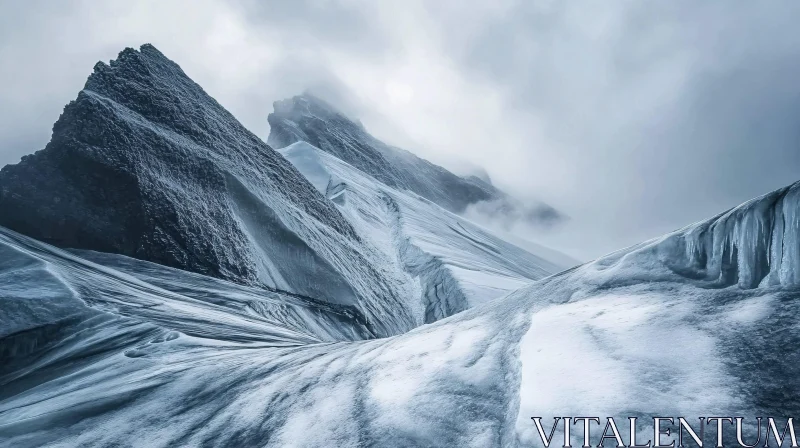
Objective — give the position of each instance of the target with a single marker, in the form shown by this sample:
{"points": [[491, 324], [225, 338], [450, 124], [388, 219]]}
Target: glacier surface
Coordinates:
{"points": [[166, 279], [457, 264], [624, 335]]}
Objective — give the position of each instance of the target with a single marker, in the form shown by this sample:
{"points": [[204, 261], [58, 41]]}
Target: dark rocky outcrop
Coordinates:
{"points": [[146, 164]]}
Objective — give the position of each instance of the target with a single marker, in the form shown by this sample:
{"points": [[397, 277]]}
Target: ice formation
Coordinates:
{"points": [[330, 308]]}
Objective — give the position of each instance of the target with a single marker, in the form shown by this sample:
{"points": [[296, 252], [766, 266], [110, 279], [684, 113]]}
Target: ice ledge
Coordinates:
{"points": [[753, 245]]}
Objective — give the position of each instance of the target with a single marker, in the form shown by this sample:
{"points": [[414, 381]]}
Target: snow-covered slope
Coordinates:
{"points": [[308, 118], [699, 322], [144, 163], [165, 358], [42, 285], [624, 335], [457, 263], [99, 349]]}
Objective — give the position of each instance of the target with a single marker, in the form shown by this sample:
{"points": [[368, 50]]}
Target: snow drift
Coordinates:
{"points": [[624, 335], [220, 342]]}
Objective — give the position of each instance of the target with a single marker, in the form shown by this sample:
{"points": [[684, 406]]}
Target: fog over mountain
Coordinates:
{"points": [[167, 278], [310, 119], [357, 223], [630, 119]]}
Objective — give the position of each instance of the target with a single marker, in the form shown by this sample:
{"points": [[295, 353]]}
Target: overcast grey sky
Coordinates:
{"points": [[632, 117]]}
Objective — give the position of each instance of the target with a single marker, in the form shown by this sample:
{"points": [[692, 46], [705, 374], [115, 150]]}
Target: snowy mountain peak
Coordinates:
{"points": [[309, 105], [312, 274], [457, 264], [310, 119], [145, 163]]}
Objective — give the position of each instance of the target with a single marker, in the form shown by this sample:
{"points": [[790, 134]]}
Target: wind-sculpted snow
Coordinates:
{"points": [[42, 285], [105, 361], [321, 343], [754, 245], [699, 322], [141, 354], [665, 348], [309, 119], [458, 264], [144, 163]]}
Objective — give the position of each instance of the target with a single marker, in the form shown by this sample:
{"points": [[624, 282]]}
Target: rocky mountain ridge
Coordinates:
{"points": [[308, 118]]}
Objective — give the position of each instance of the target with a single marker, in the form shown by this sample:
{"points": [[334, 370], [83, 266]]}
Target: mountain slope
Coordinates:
{"points": [[307, 118], [147, 133], [711, 308], [100, 349], [656, 342], [144, 163], [458, 264], [71, 284]]}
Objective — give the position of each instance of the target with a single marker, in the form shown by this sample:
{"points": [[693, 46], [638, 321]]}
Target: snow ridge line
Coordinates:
{"points": [[752, 245], [441, 293]]}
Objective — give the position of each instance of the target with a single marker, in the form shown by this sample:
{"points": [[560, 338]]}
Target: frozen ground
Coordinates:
{"points": [[458, 264], [318, 307], [105, 361]]}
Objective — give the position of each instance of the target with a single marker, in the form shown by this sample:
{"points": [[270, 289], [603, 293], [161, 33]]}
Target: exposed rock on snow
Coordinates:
{"points": [[144, 163], [625, 335], [137, 165], [100, 349]]}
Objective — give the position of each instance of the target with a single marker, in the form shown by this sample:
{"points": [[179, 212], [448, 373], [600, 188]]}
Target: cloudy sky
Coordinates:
{"points": [[634, 118]]}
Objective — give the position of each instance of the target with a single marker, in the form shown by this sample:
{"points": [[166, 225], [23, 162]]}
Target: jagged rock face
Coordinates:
{"points": [[307, 118], [144, 163]]}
